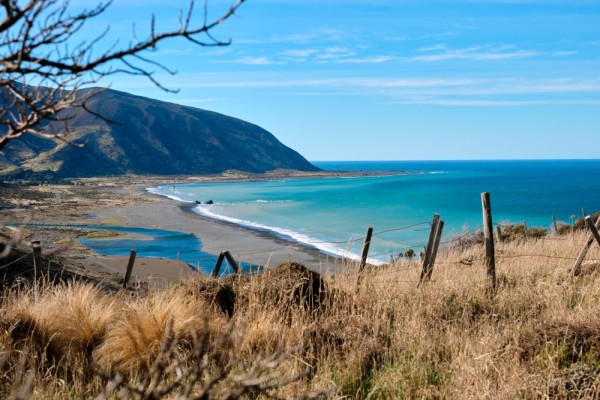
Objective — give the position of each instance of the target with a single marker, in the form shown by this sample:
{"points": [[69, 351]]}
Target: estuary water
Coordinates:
{"points": [[333, 214], [158, 243]]}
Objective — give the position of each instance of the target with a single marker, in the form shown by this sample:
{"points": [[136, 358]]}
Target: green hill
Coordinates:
{"points": [[148, 137]]}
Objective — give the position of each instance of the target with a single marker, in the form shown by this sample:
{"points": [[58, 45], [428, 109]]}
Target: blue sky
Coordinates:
{"points": [[391, 80]]}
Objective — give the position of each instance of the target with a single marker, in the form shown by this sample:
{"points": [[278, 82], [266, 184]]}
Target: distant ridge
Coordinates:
{"points": [[151, 137]]}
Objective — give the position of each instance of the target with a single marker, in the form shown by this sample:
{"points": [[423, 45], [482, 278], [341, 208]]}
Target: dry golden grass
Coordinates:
{"points": [[134, 340], [61, 320], [537, 337]]}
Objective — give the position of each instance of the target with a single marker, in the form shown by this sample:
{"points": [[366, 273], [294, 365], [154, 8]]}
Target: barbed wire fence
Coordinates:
{"points": [[398, 256]]}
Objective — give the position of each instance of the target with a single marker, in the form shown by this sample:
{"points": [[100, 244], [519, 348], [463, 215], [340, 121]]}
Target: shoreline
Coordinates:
{"points": [[265, 233], [279, 234]]}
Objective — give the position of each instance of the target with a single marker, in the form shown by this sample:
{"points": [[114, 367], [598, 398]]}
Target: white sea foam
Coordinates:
{"points": [[269, 201], [157, 191]]}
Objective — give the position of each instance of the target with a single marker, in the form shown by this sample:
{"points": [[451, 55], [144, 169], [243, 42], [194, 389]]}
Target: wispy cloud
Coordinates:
{"points": [[391, 86], [433, 91], [442, 53], [504, 93], [479, 53], [430, 54], [368, 60], [246, 41], [316, 55], [330, 54], [436, 47], [319, 35], [253, 60], [472, 55], [299, 53], [376, 83]]}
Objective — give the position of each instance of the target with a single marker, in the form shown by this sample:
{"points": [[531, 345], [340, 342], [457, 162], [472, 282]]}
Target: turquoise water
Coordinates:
{"points": [[333, 213]]}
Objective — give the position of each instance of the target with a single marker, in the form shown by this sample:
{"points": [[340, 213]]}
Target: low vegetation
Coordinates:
{"points": [[291, 332]]}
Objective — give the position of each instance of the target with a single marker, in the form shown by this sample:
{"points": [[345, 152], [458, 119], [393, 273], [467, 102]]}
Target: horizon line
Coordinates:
{"points": [[465, 159]]}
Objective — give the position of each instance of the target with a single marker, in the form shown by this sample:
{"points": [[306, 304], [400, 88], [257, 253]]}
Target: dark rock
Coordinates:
{"points": [[219, 293], [293, 284]]}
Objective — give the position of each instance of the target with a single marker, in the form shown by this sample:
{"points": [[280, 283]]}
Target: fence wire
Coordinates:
{"points": [[403, 263]]}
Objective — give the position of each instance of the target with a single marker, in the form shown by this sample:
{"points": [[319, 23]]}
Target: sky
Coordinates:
{"points": [[388, 79]]}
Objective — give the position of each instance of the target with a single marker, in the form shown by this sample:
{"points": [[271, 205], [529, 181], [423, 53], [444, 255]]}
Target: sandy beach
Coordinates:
{"points": [[154, 271], [246, 245]]}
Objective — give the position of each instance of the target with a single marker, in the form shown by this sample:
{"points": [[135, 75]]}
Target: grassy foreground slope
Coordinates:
{"points": [[291, 333]]}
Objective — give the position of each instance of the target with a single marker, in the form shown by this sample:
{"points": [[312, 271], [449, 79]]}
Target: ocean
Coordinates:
{"points": [[333, 214]]}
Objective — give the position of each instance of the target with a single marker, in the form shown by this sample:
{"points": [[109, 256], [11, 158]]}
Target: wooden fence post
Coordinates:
{"points": [[36, 248], [436, 245], [583, 212], [225, 255], [576, 269], [129, 268], [525, 227], [365, 250], [434, 226], [499, 234], [554, 224], [490, 259], [590, 224], [217, 268], [232, 261]]}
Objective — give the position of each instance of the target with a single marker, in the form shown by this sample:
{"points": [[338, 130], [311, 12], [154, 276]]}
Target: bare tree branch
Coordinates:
{"points": [[40, 75]]}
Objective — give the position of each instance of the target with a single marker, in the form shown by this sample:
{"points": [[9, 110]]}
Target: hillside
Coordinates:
{"points": [[149, 136]]}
